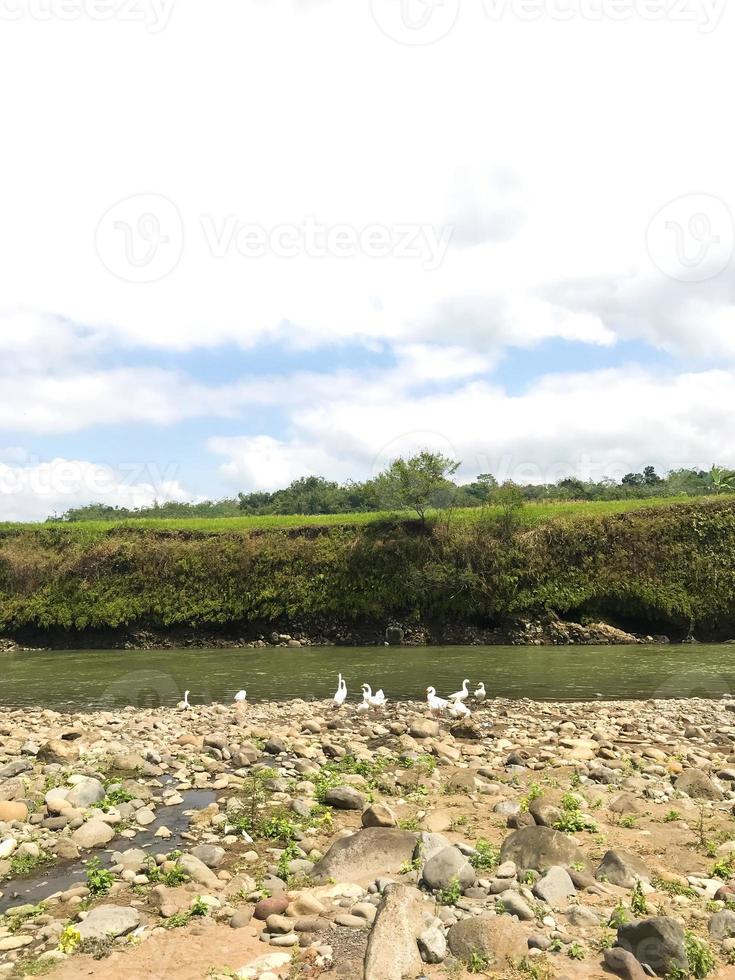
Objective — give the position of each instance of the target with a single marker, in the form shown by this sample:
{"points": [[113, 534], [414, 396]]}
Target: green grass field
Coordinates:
{"points": [[532, 515]]}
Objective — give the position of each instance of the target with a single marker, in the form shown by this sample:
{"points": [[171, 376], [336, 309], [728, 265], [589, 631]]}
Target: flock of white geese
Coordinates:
{"points": [[454, 705]]}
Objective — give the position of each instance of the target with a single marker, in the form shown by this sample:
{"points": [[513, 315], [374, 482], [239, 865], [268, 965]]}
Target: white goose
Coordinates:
{"points": [[461, 695], [363, 708], [184, 705], [241, 697], [480, 692], [377, 700], [341, 693], [436, 705], [459, 710]]}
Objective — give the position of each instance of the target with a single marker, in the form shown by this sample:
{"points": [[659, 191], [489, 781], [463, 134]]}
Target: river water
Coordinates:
{"points": [[85, 679]]}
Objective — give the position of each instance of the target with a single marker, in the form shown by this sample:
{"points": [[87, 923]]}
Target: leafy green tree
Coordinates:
{"points": [[723, 481], [509, 497], [417, 483]]}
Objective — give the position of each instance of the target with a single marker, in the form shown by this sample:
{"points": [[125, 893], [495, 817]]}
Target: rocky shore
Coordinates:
{"points": [[549, 631], [531, 840]]}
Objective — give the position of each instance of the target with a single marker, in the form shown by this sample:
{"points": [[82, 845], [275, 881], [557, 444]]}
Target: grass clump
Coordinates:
{"points": [[486, 856], [99, 879]]}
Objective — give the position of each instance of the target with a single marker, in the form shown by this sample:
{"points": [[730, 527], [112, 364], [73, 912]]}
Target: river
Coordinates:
{"points": [[85, 679]]}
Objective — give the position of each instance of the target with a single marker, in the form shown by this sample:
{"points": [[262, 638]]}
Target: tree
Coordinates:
{"points": [[509, 497], [723, 481], [418, 482]]}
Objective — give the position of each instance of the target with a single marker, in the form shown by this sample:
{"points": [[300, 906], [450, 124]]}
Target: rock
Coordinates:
{"points": [[109, 921], [515, 904], [9, 943], [394, 636], [58, 750], [446, 867], [544, 812], [623, 963], [555, 887], [132, 859], [424, 728], [93, 833], [541, 848], [392, 950], [433, 945], [66, 849], [698, 785], [378, 815], [344, 798], [56, 800], [13, 811], [86, 793], [722, 925], [199, 872], [274, 905], [169, 901], [373, 851], [209, 854], [128, 762], [626, 803], [14, 768], [623, 869], [241, 918], [497, 938], [658, 943], [466, 728]]}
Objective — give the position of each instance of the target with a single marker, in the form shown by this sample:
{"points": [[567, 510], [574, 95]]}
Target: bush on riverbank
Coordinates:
{"points": [[664, 568]]}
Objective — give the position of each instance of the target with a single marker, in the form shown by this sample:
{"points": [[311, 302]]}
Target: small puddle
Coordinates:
{"points": [[58, 877]]}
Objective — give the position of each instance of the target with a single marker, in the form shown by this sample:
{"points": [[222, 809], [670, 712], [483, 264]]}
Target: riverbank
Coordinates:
{"points": [[664, 571], [549, 631], [526, 841]]}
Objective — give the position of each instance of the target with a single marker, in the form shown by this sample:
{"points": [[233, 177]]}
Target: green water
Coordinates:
{"points": [[85, 679]]}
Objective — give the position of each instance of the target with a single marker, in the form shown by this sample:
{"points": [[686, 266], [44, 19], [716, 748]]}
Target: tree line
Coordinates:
{"points": [[417, 483]]}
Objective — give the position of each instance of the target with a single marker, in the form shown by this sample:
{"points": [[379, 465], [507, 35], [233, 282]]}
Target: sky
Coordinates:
{"points": [[251, 240]]}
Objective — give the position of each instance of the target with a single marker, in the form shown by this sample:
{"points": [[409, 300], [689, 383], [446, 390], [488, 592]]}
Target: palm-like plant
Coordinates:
{"points": [[723, 481]]}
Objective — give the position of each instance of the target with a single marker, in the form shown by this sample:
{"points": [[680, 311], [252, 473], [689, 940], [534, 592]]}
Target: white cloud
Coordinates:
{"points": [[293, 114], [36, 489], [599, 424]]}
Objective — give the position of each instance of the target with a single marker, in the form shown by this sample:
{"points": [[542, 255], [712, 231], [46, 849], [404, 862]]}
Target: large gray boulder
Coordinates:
{"points": [[497, 938], [541, 848], [370, 852], [199, 872], [623, 869], [344, 798], [698, 785], [392, 951], [109, 921], [658, 943], [209, 854], [722, 925], [447, 866], [555, 887], [86, 793], [93, 833]]}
